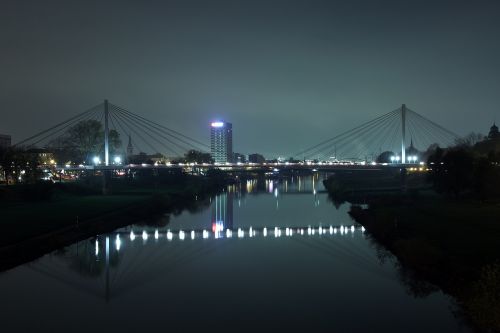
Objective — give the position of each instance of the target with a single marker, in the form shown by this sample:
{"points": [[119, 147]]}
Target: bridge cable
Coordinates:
{"points": [[346, 132], [149, 129], [154, 149], [162, 144], [72, 123], [353, 133], [56, 126], [163, 127]]}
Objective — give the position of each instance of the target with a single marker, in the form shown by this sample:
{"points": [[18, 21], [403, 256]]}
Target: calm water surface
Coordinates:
{"points": [[328, 278]]}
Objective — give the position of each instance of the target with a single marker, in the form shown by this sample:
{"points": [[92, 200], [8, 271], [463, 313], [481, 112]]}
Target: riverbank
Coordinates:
{"points": [[33, 228], [451, 243]]}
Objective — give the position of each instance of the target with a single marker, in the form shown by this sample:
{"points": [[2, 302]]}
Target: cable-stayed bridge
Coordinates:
{"points": [[395, 131], [401, 132], [147, 134]]}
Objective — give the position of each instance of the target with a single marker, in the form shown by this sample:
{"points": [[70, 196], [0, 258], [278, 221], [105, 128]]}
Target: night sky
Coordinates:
{"points": [[287, 74]]}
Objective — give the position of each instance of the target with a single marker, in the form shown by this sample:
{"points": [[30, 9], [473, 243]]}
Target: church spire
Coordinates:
{"points": [[130, 148]]}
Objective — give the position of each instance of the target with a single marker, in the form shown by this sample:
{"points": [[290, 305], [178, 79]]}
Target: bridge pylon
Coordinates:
{"points": [[106, 133], [403, 134]]}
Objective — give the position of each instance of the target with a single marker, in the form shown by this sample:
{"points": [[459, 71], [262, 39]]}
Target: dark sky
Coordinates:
{"points": [[287, 74]]}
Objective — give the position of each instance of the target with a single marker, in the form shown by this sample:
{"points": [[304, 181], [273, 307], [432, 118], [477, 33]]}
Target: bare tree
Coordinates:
{"points": [[84, 140], [469, 140]]}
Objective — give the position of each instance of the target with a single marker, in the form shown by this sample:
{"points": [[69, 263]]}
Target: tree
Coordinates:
{"points": [[452, 170], [141, 158], [487, 147], [385, 157], [83, 140], [195, 156], [430, 151], [469, 140]]}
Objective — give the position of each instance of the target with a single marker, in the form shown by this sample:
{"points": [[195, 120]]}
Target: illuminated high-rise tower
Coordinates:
{"points": [[221, 142]]}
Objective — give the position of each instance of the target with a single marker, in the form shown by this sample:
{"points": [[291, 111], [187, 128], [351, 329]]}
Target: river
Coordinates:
{"points": [[269, 255]]}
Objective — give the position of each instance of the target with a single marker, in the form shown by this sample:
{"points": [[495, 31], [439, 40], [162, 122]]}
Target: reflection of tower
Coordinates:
{"points": [[222, 211]]}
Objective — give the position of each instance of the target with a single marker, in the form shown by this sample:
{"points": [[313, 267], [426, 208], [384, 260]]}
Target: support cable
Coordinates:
{"points": [[134, 144], [354, 136], [148, 129], [164, 128], [360, 127], [70, 124], [56, 126], [133, 129]]}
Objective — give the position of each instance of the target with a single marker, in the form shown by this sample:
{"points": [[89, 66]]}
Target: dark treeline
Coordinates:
{"points": [[466, 170], [448, 236]]}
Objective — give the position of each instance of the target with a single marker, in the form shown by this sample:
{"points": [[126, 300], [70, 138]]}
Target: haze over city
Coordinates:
{"points": [[250, 165], [295, 72]]}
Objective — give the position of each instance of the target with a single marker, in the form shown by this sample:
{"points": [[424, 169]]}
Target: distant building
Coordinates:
{"points": [[143, 158], [5, 141], [221, 142], [494, 134], [491, 143], [256, 158], [41, 156], [239, 158]]}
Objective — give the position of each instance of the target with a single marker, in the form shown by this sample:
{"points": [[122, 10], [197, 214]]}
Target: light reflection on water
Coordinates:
{"points": [[220, 232], [275, 251]]}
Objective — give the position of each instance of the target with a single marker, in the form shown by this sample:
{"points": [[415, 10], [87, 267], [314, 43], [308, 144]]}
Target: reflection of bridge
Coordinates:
{"points": [[401, 131], [107, 262], [95, 267]]}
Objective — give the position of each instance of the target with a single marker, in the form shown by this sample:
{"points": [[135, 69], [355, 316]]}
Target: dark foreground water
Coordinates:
{"points": [[189, 273]]}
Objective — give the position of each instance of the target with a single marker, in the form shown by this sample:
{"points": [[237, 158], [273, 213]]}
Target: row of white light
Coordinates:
{"points": [[277, 232], [251, 232]]}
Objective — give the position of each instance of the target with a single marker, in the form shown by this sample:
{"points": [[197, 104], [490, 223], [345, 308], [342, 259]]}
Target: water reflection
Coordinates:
{"points": [[222, 212], [169, 266], [99, 259], [108, 250]]}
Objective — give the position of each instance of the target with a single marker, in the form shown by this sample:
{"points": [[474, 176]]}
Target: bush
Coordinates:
{"points": [[484, 305]]}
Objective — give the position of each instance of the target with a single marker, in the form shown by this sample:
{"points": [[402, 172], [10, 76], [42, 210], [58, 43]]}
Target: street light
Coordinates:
{"points": [[397, 158], [412, 158], [392, 159], [118, 160], [96, 160]]}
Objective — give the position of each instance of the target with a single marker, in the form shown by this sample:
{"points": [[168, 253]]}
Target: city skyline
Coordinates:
{"points": [[392, 132], [303, 69]]}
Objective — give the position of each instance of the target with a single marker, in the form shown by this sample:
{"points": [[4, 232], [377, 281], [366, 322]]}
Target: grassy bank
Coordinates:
{"points": [[25, 220], [69, 212], [453, 244]]}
